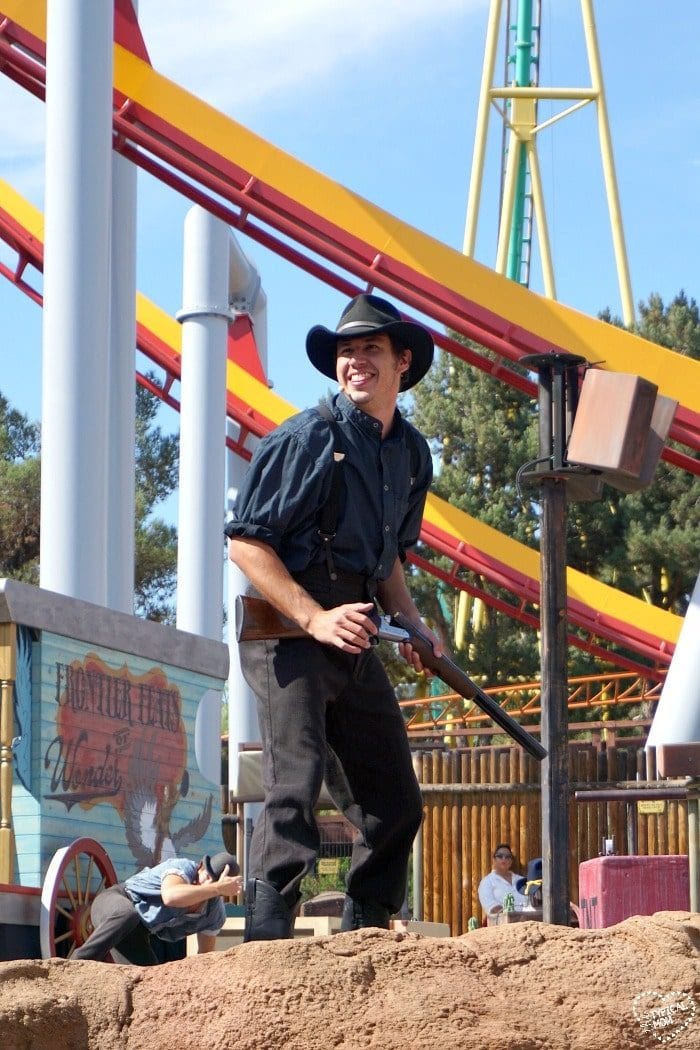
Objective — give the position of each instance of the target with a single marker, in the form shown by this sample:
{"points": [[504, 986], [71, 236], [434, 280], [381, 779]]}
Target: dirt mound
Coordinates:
{"points": [[525, 986]]}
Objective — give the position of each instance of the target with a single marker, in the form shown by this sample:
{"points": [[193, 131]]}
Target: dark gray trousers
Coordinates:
{"points": [[117, 929], [323, 712]]}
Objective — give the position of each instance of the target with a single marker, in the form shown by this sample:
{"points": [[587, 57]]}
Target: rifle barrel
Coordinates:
{"points": [[458, 680]]}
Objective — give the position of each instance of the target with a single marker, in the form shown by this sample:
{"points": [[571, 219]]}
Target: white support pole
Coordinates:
{"points": [[247, 297], [205, 317], [243, 725], [76, 297], [121, 392]]}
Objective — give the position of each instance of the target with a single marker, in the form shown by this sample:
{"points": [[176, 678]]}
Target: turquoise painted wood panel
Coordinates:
{"points": [[113, 759]]}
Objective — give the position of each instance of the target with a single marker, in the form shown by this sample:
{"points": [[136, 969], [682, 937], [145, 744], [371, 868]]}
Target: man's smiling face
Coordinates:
{"points": [[369, 372]]}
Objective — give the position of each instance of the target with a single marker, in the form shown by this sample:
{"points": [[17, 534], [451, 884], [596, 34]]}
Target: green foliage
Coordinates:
{"points": [[19, 495], [156, 564], [19, 520], [157, 454], [157, 462], [482, 432], [156, 478], [313, 884], [19, 438]]}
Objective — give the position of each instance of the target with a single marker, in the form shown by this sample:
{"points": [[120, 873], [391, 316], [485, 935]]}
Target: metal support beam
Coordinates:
{"points": [[524, 133], [205, 316]]}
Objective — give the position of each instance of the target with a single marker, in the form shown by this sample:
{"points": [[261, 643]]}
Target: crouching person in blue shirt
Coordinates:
{"points": [[169, 901]]}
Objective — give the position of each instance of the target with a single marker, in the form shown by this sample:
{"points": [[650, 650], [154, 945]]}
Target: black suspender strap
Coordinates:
{"points": [[331, 510]]}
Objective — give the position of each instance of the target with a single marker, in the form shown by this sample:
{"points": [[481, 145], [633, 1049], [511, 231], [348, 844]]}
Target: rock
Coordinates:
{"points": [[526, 986]]}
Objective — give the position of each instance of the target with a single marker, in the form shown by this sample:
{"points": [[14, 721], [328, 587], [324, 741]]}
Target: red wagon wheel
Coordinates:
{"points": [[74, 877]]}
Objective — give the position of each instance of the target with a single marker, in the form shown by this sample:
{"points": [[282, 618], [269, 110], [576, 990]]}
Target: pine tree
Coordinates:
{"points": [[157, 462], [482, 432]]}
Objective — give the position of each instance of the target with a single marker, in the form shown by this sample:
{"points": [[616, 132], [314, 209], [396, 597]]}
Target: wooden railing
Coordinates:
{"points": [[448, 715]]}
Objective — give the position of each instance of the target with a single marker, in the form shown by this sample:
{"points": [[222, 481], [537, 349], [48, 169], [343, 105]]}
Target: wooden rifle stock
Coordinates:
{"points": [[257, 620], [455, 677]]}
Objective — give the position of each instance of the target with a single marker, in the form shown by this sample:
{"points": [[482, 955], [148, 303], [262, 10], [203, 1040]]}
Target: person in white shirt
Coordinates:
{"points": [[500, 881]]}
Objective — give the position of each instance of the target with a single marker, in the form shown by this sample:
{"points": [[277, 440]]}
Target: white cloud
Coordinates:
{"points": [[22, 140], [241, 57], [238, 57]]}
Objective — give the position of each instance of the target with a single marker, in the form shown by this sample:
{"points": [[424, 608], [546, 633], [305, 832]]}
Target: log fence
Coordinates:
{"points": [[475, 798]]}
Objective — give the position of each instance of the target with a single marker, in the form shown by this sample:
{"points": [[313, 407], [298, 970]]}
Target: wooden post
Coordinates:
{"points": [[417, 854], [683, 759], [555, 767], [558, 399], [8, 672]]}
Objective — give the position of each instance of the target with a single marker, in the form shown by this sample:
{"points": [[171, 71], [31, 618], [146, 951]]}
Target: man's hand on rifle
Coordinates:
{"points": [[347, 627], [411, 656]]}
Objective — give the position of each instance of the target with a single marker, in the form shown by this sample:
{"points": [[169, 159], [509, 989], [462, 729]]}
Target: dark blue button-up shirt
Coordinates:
{"points": [[384, 488]]}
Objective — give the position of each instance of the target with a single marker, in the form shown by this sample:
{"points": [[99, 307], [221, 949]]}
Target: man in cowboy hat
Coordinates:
{"points": [[332, 501]]}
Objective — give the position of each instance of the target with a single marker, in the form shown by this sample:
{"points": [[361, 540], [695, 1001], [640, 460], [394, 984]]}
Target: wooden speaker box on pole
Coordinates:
{"points": [[620, 428], [661, 419]]}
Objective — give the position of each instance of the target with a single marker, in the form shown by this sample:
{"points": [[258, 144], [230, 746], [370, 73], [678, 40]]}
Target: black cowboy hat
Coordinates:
{"points": [[215, 865], [367, 315]]}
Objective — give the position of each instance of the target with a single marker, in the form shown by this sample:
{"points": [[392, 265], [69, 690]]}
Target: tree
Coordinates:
{"points": [[19, 495], [157, 462], [658, 550], [483, 432], [156, 479]]}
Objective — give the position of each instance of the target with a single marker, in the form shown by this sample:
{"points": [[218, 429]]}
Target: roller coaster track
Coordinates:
{"points": [[593, 607], [268, 195]]}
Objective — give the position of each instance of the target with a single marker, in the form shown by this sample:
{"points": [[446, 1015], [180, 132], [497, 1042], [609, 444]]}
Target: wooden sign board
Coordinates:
{"points": [[329, 866], [111, 755], [655, 805]]}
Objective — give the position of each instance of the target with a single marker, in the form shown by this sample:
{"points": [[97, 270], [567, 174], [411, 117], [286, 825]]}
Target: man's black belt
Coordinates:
{"points": [[346, 587]]}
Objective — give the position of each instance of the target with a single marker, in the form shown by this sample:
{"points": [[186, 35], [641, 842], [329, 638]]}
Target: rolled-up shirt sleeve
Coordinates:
{"points": [[285, 485]]}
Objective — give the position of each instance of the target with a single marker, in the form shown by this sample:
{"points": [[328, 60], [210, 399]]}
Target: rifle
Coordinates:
{"points": [[257, 620]]}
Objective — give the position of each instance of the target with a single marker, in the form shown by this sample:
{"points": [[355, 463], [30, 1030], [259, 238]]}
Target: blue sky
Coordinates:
{"points": [[381, 95]]}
